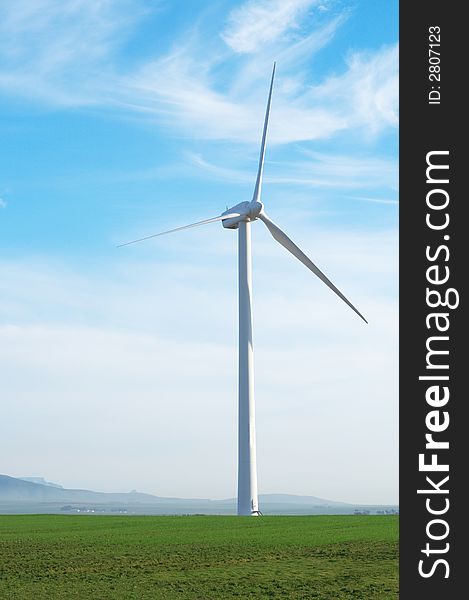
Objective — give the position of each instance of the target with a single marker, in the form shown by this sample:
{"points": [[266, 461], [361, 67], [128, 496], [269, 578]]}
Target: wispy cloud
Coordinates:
{"points": [[67, 53], [218, 172], [375, 200], [312, 169], [2, 203], [61, 52], [364, 97], [370, 85], [259, 22]]}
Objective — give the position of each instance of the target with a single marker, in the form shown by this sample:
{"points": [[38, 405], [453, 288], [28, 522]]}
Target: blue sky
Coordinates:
{"points": [[122, 118]]}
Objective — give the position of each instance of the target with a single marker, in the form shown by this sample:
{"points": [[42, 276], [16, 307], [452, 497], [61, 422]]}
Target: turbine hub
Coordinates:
{"points": [[255, 209]]}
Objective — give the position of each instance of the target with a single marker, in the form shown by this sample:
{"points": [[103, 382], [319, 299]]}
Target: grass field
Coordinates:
{"points": [[203, 558]]}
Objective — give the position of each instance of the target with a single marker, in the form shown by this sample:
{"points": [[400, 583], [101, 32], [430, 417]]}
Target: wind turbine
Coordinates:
{"points": [[240, 217]]}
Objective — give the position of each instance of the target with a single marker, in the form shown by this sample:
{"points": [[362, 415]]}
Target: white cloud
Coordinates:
{"points": [[370, 86], [60, 51], [312, 169], [375, 200], [2, 203], [181, 94], [66, 53], [259, 22]]}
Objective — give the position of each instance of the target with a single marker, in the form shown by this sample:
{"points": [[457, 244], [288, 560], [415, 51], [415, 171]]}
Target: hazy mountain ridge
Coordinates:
{"points": [[23, 495], [41, 481], [12, 488]]}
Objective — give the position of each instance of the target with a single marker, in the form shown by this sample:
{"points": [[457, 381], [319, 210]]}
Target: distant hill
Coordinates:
{"points": [[30, 495], [12, 488], [298, 500], [40, 480]]}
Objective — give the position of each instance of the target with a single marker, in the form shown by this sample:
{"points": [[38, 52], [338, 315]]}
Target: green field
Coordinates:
{"points": [[198, 557]]}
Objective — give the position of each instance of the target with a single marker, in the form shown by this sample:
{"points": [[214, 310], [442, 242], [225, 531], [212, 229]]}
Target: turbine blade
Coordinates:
{"points": [[220, 218], [287, 243], [257, 190]]}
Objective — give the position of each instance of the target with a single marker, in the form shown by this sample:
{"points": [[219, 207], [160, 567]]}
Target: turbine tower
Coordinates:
{"points": [[240, 217]]}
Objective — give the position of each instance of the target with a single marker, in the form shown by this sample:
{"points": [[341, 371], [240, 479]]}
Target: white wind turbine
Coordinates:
{"points": [[240, 217]]}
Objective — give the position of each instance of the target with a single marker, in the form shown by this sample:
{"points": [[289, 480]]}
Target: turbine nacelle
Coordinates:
{"points": [[245, 211]]}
